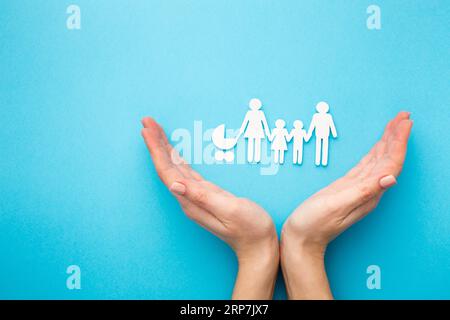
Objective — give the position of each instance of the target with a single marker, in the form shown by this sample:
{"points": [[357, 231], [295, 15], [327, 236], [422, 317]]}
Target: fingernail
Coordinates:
{"points": [[388, 181], [178, 188]]}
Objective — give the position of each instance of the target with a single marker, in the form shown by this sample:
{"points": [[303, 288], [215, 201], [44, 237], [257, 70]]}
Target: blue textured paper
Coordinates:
{"points": [[77, 185]]}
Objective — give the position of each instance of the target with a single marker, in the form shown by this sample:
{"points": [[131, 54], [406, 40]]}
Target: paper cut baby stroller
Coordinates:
{"points": [[224, 144]]}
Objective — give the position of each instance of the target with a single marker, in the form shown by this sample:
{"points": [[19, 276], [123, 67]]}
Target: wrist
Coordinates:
{"points": [[305, 276], [295, 243], [258, 269], [302, 262], [265, 254]]}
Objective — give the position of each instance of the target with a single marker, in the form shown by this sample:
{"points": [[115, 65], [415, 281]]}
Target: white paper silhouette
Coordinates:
{"points": [[256, 129], [225, 144], [299, 135], [322, 123], [279, 138]]}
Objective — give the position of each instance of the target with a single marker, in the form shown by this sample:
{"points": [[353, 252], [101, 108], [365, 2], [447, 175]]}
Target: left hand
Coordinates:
{"points": [[241, 223]]}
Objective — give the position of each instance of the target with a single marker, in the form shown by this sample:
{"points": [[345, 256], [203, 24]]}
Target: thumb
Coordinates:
{"points": [[387, 181]]}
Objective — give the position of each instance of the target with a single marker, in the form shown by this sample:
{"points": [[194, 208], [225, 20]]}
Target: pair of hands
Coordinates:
{"points": [[250, 231]]}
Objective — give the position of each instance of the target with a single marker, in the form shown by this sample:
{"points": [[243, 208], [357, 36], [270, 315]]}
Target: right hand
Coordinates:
{"points": [[329, 212], [335, 208]]}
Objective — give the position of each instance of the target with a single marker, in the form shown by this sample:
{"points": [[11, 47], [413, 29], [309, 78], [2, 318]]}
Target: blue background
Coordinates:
{"points": [[77, 185]]}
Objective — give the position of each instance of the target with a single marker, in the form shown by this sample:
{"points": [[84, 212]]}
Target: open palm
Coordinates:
{"points": [[244, 225], [333, 209]]}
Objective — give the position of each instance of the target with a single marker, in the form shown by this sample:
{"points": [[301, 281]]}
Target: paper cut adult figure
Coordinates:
{"points": [[255, 128], [322, 123], [298, 134], [279, 138]]}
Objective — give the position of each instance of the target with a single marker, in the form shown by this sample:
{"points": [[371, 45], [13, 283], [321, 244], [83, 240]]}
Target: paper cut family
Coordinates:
{"points": [[255, 129]]}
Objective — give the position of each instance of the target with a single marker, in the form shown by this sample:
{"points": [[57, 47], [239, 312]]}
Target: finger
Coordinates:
{"points": [[376, 150], [158, 143], [387, 181], [183, 166], [358, 194], [166, 170], [381, 147], [397, 145], [156, 132], [363, 168], [175, 157], [201, 216], [356, 170], [362, 192], [212, 186], [366, 202], [402, 115], [387, 130], [201, 195], [360, 212], [162, 151], [379, 150]]}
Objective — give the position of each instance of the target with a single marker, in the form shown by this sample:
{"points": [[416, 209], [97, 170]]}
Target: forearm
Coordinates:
{"points": [[304, 274], [256, 276]]}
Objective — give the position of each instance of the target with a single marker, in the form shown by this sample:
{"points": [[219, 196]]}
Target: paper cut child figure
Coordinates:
{"points": [[279, 138], [255, 128], [298, 134], [322, 123]]}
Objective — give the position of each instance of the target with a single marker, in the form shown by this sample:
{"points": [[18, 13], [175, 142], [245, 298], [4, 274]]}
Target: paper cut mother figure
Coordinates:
{"points": [[256, 129]]}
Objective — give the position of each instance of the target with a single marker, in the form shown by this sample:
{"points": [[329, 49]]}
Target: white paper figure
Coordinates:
{"points": [[279, 138], [219, 140], [256, 129], [322, 123], [299, 135]]}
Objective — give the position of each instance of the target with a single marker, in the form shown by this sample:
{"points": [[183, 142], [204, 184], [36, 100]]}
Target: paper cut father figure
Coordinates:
{"points": [[255, 128], [322, 123]]}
